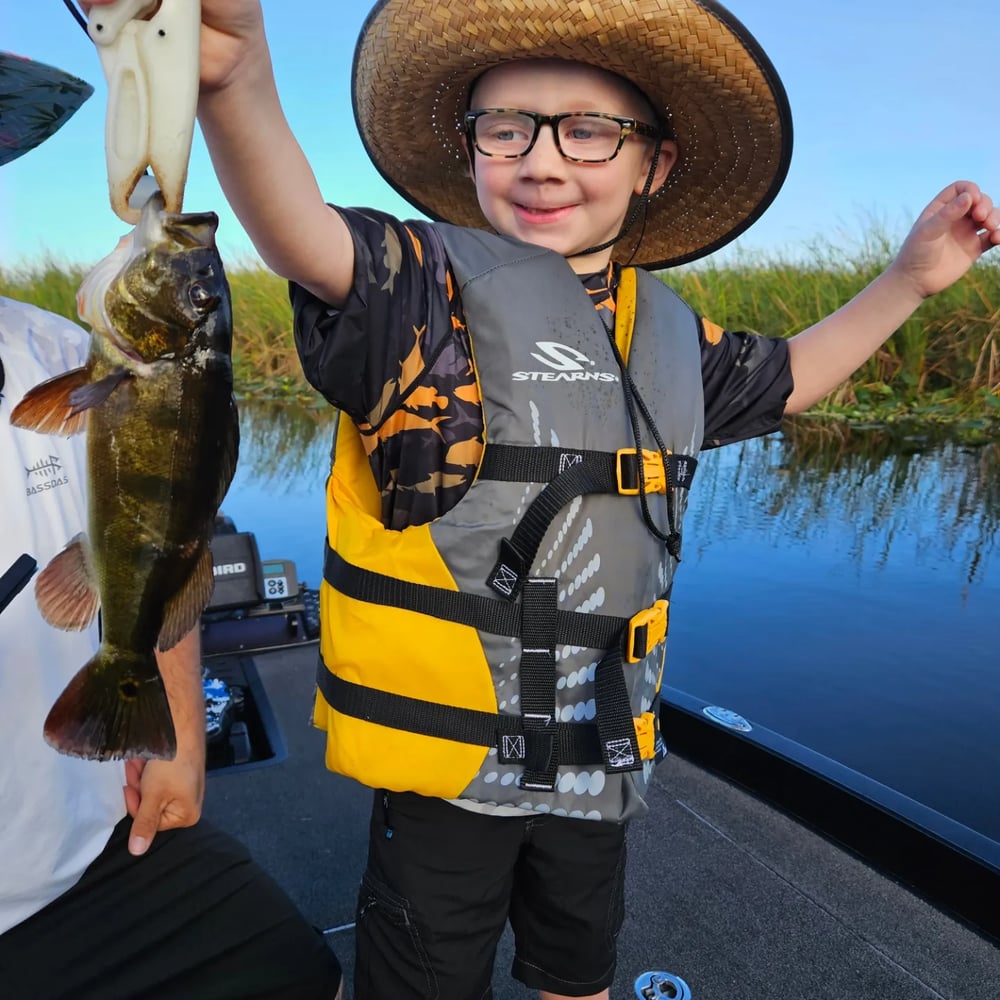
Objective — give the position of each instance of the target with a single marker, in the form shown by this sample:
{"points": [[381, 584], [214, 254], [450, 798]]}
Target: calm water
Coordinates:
{"points": [[844, 594]]}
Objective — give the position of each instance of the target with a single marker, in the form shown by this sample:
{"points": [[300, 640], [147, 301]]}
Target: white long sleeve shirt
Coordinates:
{"points": [[56, 812]]}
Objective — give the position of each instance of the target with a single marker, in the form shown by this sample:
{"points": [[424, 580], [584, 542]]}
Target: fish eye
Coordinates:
{"points": [[200, 297]]}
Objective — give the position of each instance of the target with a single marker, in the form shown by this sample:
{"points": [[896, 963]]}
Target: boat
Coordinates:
{"points": [[256, 607], [763, 869]]}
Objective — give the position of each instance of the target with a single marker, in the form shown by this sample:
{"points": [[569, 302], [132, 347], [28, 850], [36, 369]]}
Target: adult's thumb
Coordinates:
{"points": [[143, 831]]}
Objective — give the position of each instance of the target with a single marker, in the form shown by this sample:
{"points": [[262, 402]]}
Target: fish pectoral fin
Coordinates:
{"points": [[183, 611], [47, 407], [66, 590], [86, 397], [116, 706]]}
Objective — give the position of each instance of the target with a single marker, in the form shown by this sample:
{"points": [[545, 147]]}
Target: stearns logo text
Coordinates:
{"points": [[567, 364]]}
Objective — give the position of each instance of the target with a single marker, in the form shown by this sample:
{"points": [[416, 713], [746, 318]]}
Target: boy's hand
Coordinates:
{"points": [[228, 27], [950, 235]]}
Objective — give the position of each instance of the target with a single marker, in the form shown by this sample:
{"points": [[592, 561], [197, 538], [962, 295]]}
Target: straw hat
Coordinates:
{"points": [[703, 72], [35, 101]]}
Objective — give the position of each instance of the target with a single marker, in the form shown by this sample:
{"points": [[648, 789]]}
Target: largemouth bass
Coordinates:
{"points": [[156, 400]]}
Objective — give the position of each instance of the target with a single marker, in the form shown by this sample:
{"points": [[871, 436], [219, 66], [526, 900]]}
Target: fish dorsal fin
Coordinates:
{"points": [[66, 590], [47, 407], [182, 612]]}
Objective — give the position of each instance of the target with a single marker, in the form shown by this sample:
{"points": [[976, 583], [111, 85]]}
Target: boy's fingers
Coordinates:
{"points": [[984, 212], [939, 222], [958, 206]]}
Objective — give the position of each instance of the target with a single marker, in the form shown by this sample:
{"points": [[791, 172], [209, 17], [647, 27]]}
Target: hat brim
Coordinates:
{"points": [[36, 100], [701, 69]]}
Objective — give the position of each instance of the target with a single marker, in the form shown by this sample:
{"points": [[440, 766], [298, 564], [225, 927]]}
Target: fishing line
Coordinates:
{"points": [[77, 16]]}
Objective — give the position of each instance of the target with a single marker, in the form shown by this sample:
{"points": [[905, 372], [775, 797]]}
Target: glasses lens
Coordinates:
{"points": [[589, 137], [504, 133], [586, 137]]}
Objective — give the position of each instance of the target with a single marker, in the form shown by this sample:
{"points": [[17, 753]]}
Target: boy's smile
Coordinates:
{"points": [[542, 197]]}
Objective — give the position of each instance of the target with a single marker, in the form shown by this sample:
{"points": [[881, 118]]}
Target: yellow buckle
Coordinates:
{"points": [[646, 630], [654, 474], [645, 732]]}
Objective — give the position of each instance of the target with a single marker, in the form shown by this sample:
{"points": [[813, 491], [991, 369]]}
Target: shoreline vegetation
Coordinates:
{"points": [[939, 373]]}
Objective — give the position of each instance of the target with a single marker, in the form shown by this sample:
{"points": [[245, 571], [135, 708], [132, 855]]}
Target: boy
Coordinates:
{"points": [[505, 504], [81, 913]]}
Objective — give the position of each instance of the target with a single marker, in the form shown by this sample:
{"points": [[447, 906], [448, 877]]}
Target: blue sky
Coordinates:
{"points": [[891, 101]]}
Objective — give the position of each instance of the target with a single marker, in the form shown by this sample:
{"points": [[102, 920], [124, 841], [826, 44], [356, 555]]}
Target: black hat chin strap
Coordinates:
{"points": [[640, 206]]}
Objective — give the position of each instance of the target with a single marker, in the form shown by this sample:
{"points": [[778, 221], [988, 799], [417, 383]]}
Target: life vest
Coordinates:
{"points": [[510, 652]]}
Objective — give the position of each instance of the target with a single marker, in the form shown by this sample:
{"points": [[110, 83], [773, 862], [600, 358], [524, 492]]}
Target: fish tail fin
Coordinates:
{"points": [[114, 707]]}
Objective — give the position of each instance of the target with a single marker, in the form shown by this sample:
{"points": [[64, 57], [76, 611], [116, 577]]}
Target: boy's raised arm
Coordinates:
{"points": [[263, 171], [950, 235]]}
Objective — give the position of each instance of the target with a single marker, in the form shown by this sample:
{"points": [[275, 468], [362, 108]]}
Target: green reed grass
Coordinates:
{"points": [[264, 358], [942, 365]]}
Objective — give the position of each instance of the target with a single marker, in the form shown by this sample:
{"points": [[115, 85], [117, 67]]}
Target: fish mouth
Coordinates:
{"points": [[125, 350], [90, 296], [157, 229], [187, 230]]}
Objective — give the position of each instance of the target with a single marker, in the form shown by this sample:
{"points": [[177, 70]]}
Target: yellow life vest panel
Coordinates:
{"points": [[510, 652]]}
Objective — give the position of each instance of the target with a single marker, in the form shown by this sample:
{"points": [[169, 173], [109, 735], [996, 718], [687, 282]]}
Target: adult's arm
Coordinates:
{"points": [[165, 794]]}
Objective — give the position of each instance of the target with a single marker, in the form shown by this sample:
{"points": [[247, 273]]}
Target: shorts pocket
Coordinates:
{"points": [[391, 957], [616, 903]]}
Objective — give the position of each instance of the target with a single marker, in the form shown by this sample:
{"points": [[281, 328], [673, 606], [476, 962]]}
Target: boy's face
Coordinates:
{"points": [[545, 199]]}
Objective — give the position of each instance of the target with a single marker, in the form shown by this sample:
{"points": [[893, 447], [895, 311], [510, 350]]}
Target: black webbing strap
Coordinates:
{"points": [[509, 463], [619, 742], [575, 743], [573, 628], [517, 553], [537, 671], [569, 474]]}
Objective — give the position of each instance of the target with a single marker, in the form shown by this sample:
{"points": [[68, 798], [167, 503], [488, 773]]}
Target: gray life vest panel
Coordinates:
{"points": [[553, 396]]}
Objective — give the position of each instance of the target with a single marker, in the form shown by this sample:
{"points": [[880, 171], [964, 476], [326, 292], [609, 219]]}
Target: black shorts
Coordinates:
{"points": [[442, 881], [193, 919]]}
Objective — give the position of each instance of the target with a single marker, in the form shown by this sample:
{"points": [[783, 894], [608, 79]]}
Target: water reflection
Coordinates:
{"points": [[278, 490], [839, 588], [286, 445], [938, 501], [844, 594]]}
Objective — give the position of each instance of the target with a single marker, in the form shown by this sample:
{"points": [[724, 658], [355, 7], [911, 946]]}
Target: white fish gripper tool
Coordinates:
{"points": [[150, 54]]}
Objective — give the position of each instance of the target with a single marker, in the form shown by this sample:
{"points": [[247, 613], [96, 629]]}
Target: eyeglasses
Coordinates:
{"points": [[580, 136]]}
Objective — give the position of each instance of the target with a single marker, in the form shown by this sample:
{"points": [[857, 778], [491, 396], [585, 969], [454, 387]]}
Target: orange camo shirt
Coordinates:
{"points": [[397, 359]]}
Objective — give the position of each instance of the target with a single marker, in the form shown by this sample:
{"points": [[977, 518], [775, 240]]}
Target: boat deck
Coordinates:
{"points": [[735, 897]]}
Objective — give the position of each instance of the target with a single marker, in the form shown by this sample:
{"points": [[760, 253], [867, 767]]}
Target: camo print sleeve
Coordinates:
{"points": [[396, 359], [747, 381]]}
